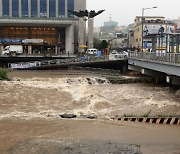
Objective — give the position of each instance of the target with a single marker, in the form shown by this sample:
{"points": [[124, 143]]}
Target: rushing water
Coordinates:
{"points": [[40, 97]]}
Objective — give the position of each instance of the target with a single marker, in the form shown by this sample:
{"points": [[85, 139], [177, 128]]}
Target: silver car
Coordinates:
{"points": [[115, 55]]}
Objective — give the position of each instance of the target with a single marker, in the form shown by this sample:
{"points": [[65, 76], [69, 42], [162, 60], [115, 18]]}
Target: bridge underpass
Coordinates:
{"points": [[162, 66]]}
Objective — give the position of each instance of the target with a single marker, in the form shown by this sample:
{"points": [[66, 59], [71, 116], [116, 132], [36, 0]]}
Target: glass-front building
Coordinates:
{"points": [[24, 8], [70, 7], [37, 8], [52, 8], [61, 8], [40, 24], [5, 10], [15, 8], [34, 8]]}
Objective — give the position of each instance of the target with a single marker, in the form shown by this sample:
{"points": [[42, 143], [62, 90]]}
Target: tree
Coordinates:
{"points": [[96, 43], [103, 46]]}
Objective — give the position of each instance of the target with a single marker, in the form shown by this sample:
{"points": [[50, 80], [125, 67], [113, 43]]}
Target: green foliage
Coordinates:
{"points": [[97, 43], [3, 74], [129, 115], [103, 45]]}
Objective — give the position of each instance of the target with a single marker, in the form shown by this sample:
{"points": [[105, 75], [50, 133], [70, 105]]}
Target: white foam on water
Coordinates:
{"points": [[94, 97]]}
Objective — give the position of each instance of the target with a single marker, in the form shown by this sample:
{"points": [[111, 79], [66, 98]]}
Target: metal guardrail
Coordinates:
{"points": [[173, 58], [37, 64]]}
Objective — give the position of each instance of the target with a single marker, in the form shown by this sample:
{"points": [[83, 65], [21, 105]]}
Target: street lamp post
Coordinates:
{"points": [[142, 40]]}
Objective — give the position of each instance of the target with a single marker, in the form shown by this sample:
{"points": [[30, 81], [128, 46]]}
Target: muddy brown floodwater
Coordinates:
{"points": [[30, 105]]}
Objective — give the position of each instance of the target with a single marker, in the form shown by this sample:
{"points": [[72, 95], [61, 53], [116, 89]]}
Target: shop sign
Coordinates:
{"points": [[35, 41], [23, 65], [11, 40]]}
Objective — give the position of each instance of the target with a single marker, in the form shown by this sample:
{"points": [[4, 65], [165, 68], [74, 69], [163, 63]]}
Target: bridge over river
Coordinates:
{"points": [[162, 66]]}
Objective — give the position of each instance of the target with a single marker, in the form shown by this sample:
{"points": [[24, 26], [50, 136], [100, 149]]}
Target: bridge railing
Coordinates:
{"points": [[156, 56], [36, 64]]}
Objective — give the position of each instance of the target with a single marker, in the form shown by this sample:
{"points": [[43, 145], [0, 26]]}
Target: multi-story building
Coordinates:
{"points": [[40, 24], [131, 38], [150, 25], [120, 41]]}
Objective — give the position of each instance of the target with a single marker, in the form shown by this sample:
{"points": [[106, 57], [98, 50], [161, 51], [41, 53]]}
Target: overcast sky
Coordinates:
{"points": [[124, 11]]}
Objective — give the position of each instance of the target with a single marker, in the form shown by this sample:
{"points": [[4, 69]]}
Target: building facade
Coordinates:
{"points": [[149, 27], [40, 24]]}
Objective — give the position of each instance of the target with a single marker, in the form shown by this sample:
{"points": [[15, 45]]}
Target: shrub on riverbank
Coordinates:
{"points": [[3, 74]]}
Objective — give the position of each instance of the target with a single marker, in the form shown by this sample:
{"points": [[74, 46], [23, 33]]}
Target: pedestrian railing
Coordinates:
{"points": [[45, 63], [156, 56]]}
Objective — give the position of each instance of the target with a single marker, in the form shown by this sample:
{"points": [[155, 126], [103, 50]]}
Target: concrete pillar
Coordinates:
{"points": [[90, 33], [38, 8], [47, 8], [30, 49], [10, 8], [0, 8], [81, 34], [154, 44], [66, 8], [56, 49], [177, 43], [57, 8], [70, 39], [85, 31], [168, 43], [172, 45], [20, 8], [29, 8], [1, 49]]}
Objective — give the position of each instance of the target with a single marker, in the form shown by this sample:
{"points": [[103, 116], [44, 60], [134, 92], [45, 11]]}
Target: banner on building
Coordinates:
{"points": [[11, 40], [157, 29], [35, 41], [23, 65]]}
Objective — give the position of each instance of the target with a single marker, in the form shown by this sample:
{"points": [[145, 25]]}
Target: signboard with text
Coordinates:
{"points": [[35, 41], [149, 29], [11, 40]]}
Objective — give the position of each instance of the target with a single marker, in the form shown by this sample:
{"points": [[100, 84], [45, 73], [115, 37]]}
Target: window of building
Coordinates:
{"points": [[33, 8], [5, 4], [52, 8], [43, 8], [61, 8], [24, 8], [15, 8], [70, 7]]}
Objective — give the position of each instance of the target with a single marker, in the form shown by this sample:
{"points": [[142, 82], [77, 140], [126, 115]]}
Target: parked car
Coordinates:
{"points": [[115, 55], [92, 51], [13, 49]]}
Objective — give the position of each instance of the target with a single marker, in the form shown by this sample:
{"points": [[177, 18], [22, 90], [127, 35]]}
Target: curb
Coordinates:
{"points": [[156, 120]]}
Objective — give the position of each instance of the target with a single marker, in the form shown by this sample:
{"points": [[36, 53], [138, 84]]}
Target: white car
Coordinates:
{"points": [[92, 51], [115, 55]]}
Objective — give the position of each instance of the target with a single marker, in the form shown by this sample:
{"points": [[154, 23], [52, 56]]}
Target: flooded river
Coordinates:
{"points": [[38, 98]]}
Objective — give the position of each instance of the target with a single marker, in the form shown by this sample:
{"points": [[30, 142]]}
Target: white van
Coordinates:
{"points": [[92, 51], [18, 49]]}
